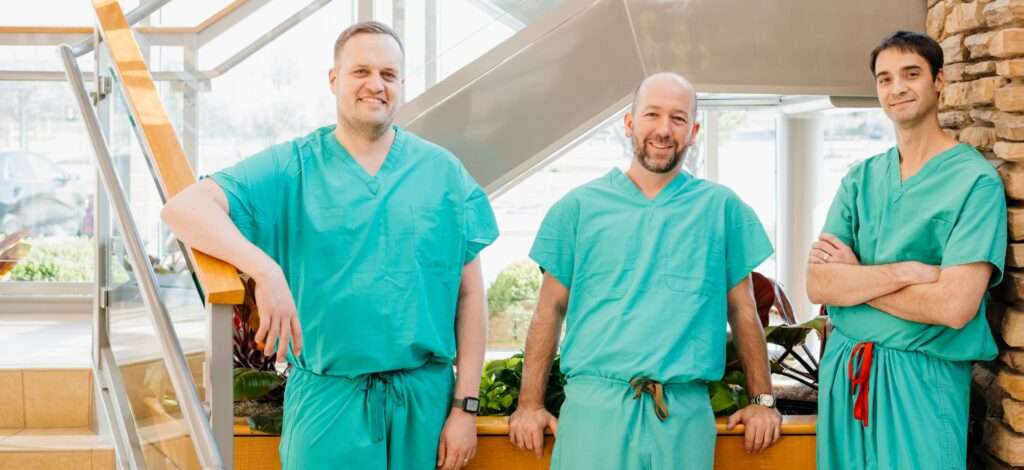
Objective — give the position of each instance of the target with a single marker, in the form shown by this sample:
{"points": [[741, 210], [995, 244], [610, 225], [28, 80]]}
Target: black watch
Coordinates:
{"points": [[468, 404]]}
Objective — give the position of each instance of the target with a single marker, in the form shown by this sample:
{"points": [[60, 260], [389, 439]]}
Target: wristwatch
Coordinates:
{"points": [[764, 399], [468, 404]]}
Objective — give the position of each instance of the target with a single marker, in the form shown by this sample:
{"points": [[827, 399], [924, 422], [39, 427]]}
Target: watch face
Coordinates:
{"points": [[471, 405]]}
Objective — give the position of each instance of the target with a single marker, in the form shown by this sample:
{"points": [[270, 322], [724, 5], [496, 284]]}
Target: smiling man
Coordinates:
{"points": [[913, 241], [362, 239], [646, 267]]}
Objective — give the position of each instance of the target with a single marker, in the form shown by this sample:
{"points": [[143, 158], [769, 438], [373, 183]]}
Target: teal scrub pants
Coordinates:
{"points": [[916, 411], [388, 420], [601, 427]]}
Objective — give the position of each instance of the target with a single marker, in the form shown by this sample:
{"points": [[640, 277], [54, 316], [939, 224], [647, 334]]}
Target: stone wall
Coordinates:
{"points": [[983, 104]]}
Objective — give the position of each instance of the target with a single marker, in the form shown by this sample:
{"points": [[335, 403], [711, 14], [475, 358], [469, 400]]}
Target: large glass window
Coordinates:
{"points": [[288, 77], [851, 136], [47, 180], [746, 162]]}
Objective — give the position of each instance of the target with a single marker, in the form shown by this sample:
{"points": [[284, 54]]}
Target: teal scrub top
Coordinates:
{"points": [[374, 262], [648, 278], [952, 212]]}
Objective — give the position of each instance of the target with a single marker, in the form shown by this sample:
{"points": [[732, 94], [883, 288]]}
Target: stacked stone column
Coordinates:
{"points": [[983, 105]]}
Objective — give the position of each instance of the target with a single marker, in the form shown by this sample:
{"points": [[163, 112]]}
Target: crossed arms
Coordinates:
{"points": [[909, 290]]}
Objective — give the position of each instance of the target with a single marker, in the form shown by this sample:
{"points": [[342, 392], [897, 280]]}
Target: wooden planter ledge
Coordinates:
{"points": [[794, 450]]}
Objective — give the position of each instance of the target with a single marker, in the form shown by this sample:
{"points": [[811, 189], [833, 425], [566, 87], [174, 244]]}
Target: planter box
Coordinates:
{"points": [[793, 451]]}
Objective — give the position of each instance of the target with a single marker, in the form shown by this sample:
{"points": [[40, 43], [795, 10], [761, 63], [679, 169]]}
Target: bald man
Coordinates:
{"points": [[645, 267]]}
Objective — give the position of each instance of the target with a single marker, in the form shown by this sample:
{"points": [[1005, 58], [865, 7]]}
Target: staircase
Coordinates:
{"points": [[47, 395]]}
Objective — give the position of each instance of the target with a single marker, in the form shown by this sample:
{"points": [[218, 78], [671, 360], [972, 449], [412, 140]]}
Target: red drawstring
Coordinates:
{"points": [[861, 355]]}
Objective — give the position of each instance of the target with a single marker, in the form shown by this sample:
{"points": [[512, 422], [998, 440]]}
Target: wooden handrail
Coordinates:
{"points": [[220, 280], [219, 15]]}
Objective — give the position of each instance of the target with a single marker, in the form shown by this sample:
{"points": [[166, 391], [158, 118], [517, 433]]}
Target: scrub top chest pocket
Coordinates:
{"points": [[902, 235], [438, 236]]}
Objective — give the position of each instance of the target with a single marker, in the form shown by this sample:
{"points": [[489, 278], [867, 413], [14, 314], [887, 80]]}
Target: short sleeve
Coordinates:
{"points": [[979, 234], [747, 244], [254, 188], [479, 226], [840, 218], [554, 248]]}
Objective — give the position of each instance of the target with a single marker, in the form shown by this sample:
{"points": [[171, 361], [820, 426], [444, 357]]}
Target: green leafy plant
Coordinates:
{"points": [[730, 394], [804, 366], [502, 378], [252, 384], [796, 361], [60, 260]]}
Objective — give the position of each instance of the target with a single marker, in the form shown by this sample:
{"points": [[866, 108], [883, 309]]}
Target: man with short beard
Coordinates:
{"points": [[913, 241], [362, 239], [646, 267]]}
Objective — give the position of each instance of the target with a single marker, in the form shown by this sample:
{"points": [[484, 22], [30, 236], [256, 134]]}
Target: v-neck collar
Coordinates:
{"points": [[335, 147], [933, 164], [622, 180]]}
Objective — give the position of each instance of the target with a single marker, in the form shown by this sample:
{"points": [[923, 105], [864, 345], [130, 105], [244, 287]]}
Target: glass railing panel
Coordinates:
{"points": [[135, 342]]}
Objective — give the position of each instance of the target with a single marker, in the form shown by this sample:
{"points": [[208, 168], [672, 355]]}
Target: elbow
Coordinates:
{"points": [[813, 295], [958, 317], [815, 290], [960, 310], [820, 291], [166, 213], [169, 214], [811, 286]]}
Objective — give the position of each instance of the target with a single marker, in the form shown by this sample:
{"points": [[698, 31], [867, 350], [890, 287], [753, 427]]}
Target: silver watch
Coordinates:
{"points": [[764, 399]]}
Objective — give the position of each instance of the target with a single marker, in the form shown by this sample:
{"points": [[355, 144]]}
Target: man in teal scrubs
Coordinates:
{"points": [[646, 267], [913, 241], [363, 241]]}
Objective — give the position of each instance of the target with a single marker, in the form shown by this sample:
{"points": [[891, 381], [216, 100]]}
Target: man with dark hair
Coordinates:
{"points": [[363, 240], [906, 41], [913, 241], [646, 267]]}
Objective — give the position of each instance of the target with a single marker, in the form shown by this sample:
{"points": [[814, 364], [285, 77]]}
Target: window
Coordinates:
{"points": [[851, 136], [47, 181]]}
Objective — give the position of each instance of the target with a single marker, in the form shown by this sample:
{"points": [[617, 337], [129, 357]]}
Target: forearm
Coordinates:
{"points": [[471, 335], [923, 303], [202, 222], [748, 336], [541, 344], [953, 300], [850, 284]]}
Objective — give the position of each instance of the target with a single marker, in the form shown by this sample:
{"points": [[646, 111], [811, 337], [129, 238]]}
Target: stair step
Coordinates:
{"points": [[53, 448], [46, 398]]}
